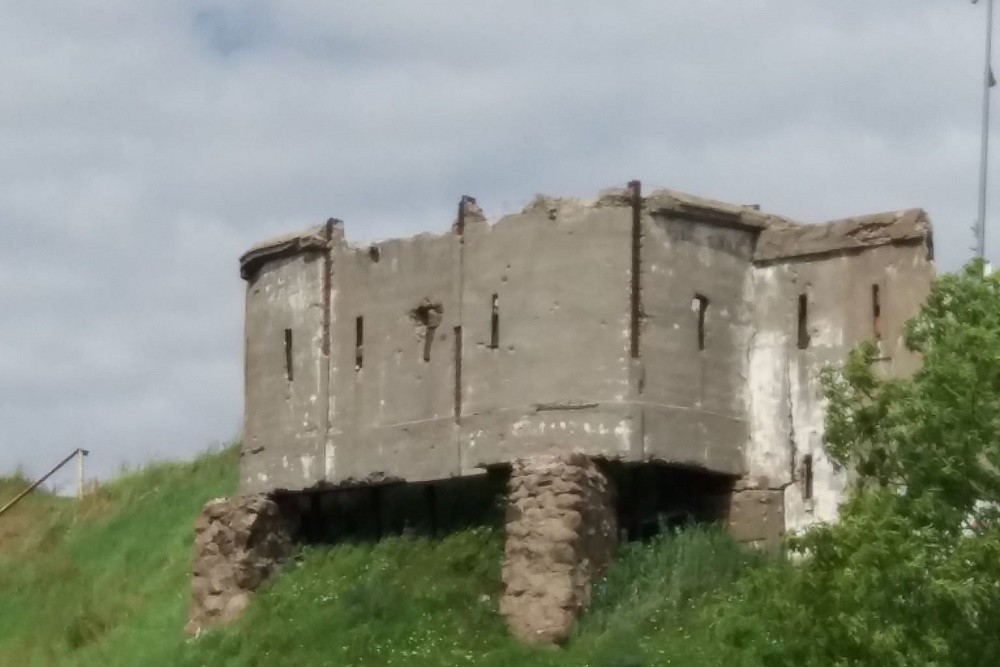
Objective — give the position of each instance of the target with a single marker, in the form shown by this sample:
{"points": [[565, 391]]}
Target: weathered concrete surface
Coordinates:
{"points": [[393, 414], [239, 543], [561, 536], [286, 374], [692, 395], [756, 515], [783, 391], [557, 265], [852, 234], [443, 355]]}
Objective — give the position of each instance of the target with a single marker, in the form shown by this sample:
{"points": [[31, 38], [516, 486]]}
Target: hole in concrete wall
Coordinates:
{"points": [[807, 477], [374, 253], [700, 306], [359, 343], [428, 315], [655, 498], [495, 323], [432, 509], [876, 312], [803, 333], [289, 371]]}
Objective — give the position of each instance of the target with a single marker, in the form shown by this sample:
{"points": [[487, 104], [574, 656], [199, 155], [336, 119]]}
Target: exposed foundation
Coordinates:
{"points": [[369, 513], [561, 536], [239, 543], [565, 516], [756, 515], [654, 498]]}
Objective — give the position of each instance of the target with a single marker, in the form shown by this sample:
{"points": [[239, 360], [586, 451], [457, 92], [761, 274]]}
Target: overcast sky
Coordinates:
{"points": [[145, 145]]}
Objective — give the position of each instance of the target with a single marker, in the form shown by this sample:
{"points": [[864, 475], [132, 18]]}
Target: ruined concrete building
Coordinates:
{"points": [[618, 363]]}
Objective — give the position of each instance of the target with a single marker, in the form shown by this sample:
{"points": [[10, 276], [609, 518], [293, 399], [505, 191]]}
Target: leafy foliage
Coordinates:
{"points": [[911, 574]]}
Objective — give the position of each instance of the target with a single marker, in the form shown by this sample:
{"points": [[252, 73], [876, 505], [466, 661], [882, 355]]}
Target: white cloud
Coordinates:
{"points": [[144, 145]]}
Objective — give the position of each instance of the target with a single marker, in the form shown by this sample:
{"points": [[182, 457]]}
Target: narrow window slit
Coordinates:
{"points": [[701, 305], [876, 312], [495, 323], [807, 477], [289, 371], [359, 344], [429, 333], [803, 321], [458, 373]]}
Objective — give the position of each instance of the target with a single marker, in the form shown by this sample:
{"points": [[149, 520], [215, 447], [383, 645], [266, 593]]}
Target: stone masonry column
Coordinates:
{"points": [[561, 535], [239, 542]]}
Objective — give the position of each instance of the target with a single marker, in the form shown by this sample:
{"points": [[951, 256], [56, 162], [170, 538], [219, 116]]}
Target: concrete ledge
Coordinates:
{"points": [[695, 438], [602, 430]]}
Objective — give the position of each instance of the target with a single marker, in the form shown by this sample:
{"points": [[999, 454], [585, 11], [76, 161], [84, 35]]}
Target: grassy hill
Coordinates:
{"points": [[105, 582]]}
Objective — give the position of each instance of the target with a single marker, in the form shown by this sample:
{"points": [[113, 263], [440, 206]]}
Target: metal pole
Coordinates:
{"points": [[988, 83], [79, 474], [40, 481]]}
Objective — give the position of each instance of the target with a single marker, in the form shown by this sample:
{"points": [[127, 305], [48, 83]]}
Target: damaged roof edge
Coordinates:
{"points": [[281, 246], [690, 207], [852, 234], [779, 237]]}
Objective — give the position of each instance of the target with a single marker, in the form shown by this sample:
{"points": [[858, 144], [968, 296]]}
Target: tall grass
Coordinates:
{"points": [[106, 583]]}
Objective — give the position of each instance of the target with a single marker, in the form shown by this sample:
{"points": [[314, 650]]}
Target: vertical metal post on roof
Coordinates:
{"points": [[988, 83]]}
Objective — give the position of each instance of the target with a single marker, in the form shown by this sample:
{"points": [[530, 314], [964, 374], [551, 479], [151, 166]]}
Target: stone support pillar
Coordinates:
{"points": [[239, 543], [561, 536]]}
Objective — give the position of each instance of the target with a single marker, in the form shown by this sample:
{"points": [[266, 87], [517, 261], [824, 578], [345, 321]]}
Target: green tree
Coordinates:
{"points": [[911, 573]]}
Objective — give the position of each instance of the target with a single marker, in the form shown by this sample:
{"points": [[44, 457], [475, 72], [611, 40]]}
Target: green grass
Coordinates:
{"points": [[106, 583]]}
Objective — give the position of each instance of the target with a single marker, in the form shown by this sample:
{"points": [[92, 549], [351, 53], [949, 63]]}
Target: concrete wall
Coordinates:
{"points": [[560, 372], [393, 416], [785, 405], [438, 395], [693, 399], [286, 415]]}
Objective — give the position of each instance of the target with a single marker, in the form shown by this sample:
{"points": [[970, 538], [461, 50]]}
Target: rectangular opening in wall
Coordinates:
{"points": [[701, 307], [803, 321], [359, 343], [289, 372], [807, 477], [495, 323], [458, 373], [876, 312], [428, 344]]}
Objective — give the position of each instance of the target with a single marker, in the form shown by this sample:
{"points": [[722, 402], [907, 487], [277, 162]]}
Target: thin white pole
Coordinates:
{"points": [[988, 83], [79, 474]]}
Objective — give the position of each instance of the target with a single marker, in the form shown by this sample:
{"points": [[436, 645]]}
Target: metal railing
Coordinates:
{"points": [[78, 453]]}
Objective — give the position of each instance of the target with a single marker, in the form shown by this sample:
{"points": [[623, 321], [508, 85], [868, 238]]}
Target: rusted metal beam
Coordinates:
{"points": [[41, 480]]}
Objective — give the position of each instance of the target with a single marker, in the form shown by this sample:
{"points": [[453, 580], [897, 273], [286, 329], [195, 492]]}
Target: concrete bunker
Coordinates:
{"points": [[636, 361]]}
